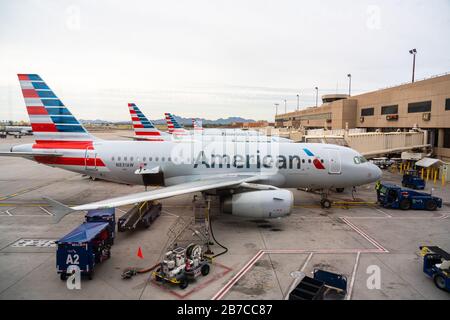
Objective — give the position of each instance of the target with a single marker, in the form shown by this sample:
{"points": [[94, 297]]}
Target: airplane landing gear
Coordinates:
{"points": [[325, 202]]}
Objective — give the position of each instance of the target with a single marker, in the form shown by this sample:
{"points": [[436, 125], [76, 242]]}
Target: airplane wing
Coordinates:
{"points": [[175, 190], [30, 154]]}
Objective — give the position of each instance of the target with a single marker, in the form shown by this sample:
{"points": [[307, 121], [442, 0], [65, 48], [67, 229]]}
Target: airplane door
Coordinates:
{"points": [[90, 159], [334, 161]]}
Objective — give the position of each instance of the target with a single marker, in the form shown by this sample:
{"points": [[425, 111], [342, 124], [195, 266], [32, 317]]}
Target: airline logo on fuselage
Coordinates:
{"points": [[247, 161]]}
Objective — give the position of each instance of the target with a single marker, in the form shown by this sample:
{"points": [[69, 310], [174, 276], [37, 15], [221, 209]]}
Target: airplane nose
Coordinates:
{"points": [[376, 172]]}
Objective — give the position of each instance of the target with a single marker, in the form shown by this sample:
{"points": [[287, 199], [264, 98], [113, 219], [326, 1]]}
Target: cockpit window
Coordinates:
{"points": [[359, 159]]}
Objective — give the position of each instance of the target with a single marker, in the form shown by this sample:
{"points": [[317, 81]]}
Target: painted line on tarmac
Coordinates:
{"points": [[352, 282], [295, 281], [46, 211], [170, 213], [385, 213], [219, 295], [224, 290], [378, 249], [364, 235], [9, 214], [18, 193]]}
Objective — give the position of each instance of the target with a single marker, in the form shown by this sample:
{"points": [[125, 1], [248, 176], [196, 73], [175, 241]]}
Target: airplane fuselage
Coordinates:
{"points": [[287, 165]]}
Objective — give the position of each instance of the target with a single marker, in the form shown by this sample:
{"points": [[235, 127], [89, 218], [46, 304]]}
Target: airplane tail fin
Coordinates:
{"points": [[197, 124], [173, 126], [49, 118], [142, 126]]}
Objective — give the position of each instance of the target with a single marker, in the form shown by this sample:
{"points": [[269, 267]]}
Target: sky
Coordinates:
{"points": [[214, 59]]}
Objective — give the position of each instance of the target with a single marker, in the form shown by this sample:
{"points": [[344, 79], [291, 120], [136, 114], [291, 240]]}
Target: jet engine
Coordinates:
{"points": [[259, 204]]}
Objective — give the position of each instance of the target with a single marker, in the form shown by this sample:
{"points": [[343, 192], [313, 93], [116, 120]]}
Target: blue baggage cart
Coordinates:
{"points": [[84, 247], [411, 179], [104, 215], [436, 265]]}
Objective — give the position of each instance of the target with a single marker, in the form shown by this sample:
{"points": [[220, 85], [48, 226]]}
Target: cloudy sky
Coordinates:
{"points": [[213, 58]]}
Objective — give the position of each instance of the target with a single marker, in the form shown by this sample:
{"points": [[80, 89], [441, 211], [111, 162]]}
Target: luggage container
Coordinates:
{"points": [[84, 247], [104, 215]]}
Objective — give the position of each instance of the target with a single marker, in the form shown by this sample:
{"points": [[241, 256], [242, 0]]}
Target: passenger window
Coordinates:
{"points": [[169, 159], [119, 158], [303, 160], [144, 158], [125, 158], [156, 158], [112, 158], [150, 159], [309, 160], [131, 158], [163, 159], [321, 160]]}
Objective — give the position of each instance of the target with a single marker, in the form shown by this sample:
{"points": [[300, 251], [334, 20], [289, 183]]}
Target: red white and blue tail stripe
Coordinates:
{"points": [[142, 126], [174, 127], [56, 130], [197, 124], [49, 118]]}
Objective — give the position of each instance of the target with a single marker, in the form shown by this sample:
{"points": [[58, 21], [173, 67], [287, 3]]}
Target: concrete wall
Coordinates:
{"points": [[435, 89]]}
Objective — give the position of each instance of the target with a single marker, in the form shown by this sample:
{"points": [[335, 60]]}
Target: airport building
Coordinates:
{"points": [[423, 104]]}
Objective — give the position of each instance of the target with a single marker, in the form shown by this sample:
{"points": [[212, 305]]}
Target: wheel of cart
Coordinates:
{"points": [[405, 204], [431, 205], [205, 269], [184, 282], [439, 281]]}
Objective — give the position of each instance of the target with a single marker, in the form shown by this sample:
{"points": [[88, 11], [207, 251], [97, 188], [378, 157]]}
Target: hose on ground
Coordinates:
{"points": [[217, 242], [130, 272]]}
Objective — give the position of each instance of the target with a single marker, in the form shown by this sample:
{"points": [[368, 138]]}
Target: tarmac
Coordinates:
{"points": [[358, 240]]}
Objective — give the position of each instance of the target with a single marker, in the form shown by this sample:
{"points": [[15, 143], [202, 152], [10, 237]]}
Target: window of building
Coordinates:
{"points": [[424, 106], [389, 109], [446, 138], [367, 112], [447, 104]]}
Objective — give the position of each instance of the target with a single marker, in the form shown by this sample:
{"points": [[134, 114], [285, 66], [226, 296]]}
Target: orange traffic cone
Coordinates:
{"points": [[139, 253]]}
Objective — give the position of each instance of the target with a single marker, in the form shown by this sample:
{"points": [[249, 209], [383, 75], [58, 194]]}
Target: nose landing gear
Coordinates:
{"points": [[325, 203]]}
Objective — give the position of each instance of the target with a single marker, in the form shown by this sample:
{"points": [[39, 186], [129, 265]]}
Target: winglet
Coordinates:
{"points": [[60, 210]]}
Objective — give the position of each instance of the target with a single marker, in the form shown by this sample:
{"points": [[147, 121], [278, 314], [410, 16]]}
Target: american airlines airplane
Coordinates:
{"points": [[145, 130], [248, 177], [18, 130]]}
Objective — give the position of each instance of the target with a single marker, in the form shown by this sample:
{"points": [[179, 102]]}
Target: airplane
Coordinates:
{"points": [[229, 134], [197, 124], [18, 130], [174, 127], [141, 123], [144, 129], [250, 179]]}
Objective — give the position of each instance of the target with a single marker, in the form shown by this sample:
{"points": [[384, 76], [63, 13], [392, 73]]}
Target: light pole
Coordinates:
{"points": [[349, 84], [285, 106], [413, 52], [317, 95], [298, 101]]}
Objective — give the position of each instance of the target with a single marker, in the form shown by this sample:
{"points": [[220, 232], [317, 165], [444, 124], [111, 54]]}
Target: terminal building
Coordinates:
{"points": [[423, 104]]}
